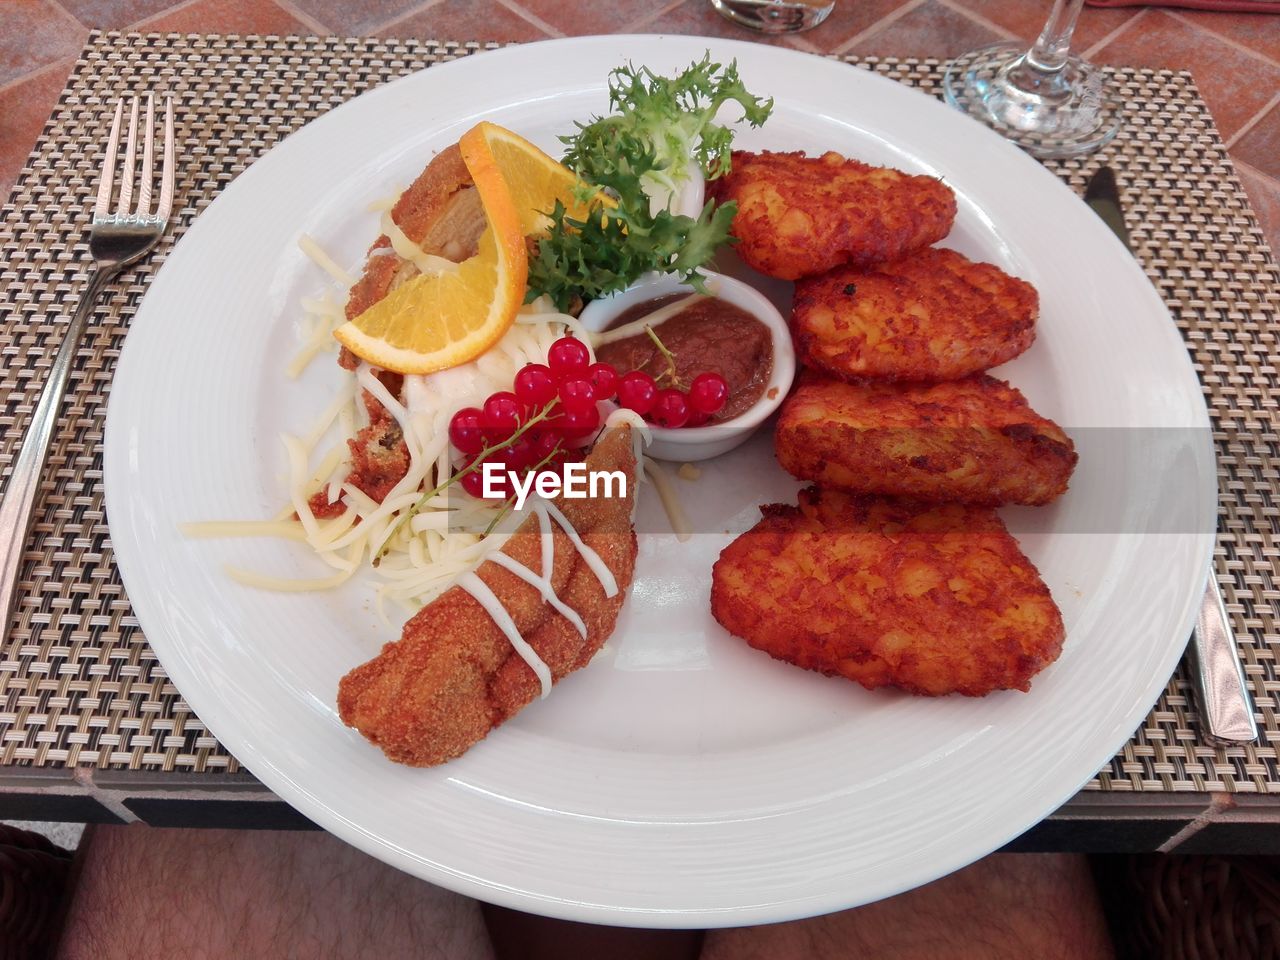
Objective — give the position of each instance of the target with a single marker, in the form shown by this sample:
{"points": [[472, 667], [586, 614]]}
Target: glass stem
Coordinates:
{"points": [[1049, 53]]}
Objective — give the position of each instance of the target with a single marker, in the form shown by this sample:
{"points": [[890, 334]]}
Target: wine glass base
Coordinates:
{"points": [[1065, 113], [775, 16]]}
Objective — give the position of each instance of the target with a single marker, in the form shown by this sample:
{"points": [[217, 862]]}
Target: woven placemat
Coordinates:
{"points": [[80, 686]]}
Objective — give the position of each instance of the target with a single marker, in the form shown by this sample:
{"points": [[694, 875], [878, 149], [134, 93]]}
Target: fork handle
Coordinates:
{"points": [[17, 505], [1225, 704]]}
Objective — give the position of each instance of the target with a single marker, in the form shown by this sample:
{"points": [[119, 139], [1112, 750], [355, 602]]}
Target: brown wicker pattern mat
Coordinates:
{"points": [[80, 686]]}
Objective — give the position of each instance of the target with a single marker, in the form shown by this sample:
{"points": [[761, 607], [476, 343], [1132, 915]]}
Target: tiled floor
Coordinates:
{"points": [[1235, 57]]}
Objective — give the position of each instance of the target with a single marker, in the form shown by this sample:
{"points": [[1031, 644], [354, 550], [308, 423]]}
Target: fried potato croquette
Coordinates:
{"points": [[933, 315], [799, 216], [453, 675], [932, 599], [974, 440]]}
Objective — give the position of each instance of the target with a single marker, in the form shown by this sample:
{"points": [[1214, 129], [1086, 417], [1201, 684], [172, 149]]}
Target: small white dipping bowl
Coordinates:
{"points": [[686, 444]]}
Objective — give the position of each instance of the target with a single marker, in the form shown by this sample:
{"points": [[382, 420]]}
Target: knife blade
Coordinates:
{"points": [[1226, 707], [1103, 196]]}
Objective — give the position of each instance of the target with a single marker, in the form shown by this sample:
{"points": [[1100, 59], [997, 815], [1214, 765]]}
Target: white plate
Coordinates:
{"points": [[683, 779]]}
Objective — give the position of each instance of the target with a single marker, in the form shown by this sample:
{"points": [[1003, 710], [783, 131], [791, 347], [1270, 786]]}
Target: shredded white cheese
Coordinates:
{"points": [[657, 475], [325, 262], [416, 546]]}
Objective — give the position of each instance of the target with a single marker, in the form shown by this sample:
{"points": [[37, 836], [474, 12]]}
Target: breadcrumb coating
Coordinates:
{"points": [[932, 599], [800, 216]]}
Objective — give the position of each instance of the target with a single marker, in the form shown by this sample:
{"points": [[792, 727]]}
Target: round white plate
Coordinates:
{"points": [[683, 779]]}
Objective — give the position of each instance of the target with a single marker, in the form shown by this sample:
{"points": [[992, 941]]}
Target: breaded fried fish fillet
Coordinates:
{"points": [[930, 598], [454, 675], [974, 440], [799, 216], [933, 315]]}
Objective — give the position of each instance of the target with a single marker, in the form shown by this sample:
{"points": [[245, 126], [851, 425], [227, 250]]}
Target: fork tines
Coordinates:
{"points": [[141, 212]]}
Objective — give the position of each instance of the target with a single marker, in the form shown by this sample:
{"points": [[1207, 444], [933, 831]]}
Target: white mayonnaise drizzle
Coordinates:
{"points": [[597, 566], [545, 511], [544, 587], [428, 264], [493, 606]]}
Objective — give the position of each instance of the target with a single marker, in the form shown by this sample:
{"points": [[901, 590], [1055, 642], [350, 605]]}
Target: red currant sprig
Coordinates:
{"points": [[551, 410]]}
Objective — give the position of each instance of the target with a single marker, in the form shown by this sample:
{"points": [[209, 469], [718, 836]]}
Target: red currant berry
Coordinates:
{"points": [[697, 418], [576, 394], [708, 393], [501, 415], [522, 453], [473, 483], [671, 409], [535, 387], [576, 425], [548, 444], [637, 391], [568, 357], [604, 380], [465, 430], [545, 442]]}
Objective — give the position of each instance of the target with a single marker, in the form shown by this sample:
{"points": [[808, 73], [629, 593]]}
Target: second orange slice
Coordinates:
{"points": [[536, 180]]}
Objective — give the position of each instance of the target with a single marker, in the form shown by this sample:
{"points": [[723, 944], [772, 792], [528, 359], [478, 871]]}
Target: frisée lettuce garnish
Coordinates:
{"points": [[659, 128]]}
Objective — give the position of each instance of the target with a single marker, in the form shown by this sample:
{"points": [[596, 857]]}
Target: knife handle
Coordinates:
{"points": [[1226, 708]]}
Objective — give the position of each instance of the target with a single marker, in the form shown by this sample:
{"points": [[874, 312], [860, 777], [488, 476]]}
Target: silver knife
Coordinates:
{"points": [[1226, 708]]}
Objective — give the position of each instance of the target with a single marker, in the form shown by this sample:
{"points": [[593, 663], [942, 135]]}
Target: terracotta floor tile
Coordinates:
{"points": [[930, 30], [849, 19], [355, 19], [1264, 197], [1260, 145], [114, 14], [577, 19], [1257, 31], [33, 34], [1025, 20], [465, 20], [1235, 84], [24, 108], [229, 16], [700, 18]]}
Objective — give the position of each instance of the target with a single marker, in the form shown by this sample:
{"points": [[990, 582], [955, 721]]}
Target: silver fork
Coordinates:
{"points": [[115, 241]]}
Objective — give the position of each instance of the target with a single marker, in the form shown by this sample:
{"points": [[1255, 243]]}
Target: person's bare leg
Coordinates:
{"points": [[146, 893], [1012, 905]]}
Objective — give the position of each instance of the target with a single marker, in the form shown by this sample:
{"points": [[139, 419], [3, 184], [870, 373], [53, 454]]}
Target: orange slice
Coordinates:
{"points": [[433, 322], [536, 181]]}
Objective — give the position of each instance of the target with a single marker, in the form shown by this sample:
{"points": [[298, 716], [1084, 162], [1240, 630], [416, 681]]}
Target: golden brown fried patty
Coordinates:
{"points": [[933, 315], [933, 599], [974, 440], [799, 216]]}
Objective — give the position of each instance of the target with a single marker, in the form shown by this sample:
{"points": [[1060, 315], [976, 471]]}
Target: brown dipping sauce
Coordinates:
{"points": [[708, 336]]}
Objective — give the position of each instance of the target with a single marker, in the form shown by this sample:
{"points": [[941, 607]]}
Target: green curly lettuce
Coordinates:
{"points": [[660, 125]]}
